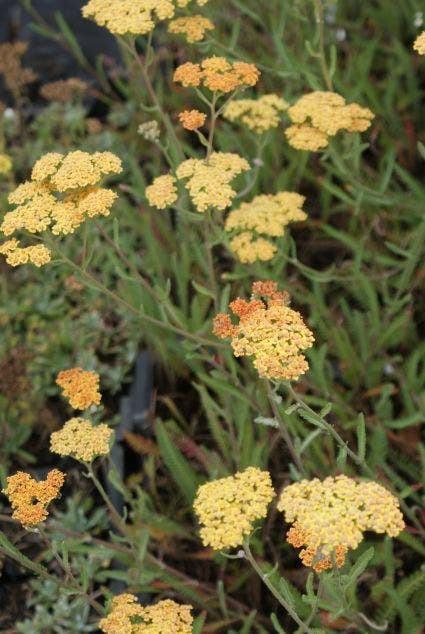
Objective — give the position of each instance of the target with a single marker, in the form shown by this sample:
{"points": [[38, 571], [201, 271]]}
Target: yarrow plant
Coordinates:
{"points": [[29, 498], [80, 386], [165, 617]]}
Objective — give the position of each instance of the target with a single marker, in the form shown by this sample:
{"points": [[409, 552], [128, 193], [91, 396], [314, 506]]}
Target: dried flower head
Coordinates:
{"points": [[267, 215], [62, 193], [81, 440], [228, 507], [15, 76], [259, 115], [193, 27], [419, 44], [149, 131], [5, 164], [162, 193], [320, 115], [330, 516], [129, 617], [217, 74], [80, 387], [63, 90], [270, 332], [29, 498], [131, 16], [192, 119]]}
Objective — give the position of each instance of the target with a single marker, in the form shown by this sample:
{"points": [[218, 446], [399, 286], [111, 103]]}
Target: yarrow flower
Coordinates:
{"points": [[132, 16], [62, 193], [15, 76], [320, 115], [80, 387], [227, 508], [419, 44], [259, 115], [330, 516], [149, 131], [29, 499], [5, 164], [193, 27], [269, 331], [217, 74], [129, 617], [192, 119], [267, 215], [81, 440], [207, 181], [17, 255], [63, 90]]}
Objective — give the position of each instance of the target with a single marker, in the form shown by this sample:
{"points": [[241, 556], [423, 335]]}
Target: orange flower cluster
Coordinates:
{"points": [[29, 498], [63, 90], [192, 119], [270, 332], [81, 387], [217, 74]]}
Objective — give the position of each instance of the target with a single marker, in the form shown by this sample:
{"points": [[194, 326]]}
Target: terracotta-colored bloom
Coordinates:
{"points": [[29, 499], [63, 90], [217, 74], [192, 119], [80, 387]]}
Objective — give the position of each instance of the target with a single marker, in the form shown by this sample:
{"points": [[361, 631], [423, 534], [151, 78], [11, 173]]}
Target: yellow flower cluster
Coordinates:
{"points": [[63, 90], [128, 617], [80, 387], [193, 27], [330, 516], [208, 182], [61, 194], [319, 115], [228, 507], [81, 440], [5, 164], [132, 16], [29, 498], [419, 44], [16, 255], [259, 115], [270, 332], [267, 215], [217, 74], [192, 119]]}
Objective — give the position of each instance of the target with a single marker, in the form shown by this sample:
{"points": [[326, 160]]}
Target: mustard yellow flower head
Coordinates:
{"points": [[132, 16], [16, 255], [320, 115], [270, 332], [193, 27], [162, 193], [267, 215], [208, 182], [259, 115], [29, 499], [217, 74], [228, 507], [5, 164], [419, 44], [192, 119], [330, 516], [80, 387], [81, 440], [128, 617]]}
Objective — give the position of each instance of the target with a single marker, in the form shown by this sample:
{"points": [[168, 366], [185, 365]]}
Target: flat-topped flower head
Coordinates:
{"points": [[17, 255], [127, 616], [227, 508], [81, 440], [320, 115], [29, 499], [192, 119], [193, 27], [217, 74], [162, 192], [63, 192], [270, 332], [265, 215], [80, 387], [330, 516], [5, 164], [64, 90], [419, 44], [259, 115], [132, 16]]}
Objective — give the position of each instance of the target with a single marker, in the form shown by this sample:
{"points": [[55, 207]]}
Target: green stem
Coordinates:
{"points": [[284, 430], [322, 54]]}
